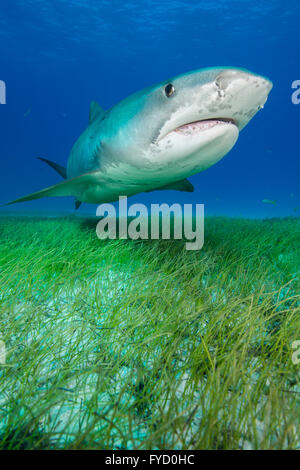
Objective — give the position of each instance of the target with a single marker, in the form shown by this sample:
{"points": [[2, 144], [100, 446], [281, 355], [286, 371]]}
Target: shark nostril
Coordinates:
{"points": [[226, 78], [221, 92]]}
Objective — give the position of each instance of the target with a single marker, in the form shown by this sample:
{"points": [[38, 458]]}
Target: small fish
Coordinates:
{"points": [[270, 201], [27, 112]]}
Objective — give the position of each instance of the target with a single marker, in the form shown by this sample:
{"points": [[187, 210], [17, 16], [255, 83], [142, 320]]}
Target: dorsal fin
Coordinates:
{"points": [[95, 111]]}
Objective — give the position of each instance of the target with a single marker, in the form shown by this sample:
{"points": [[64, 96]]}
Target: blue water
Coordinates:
{"points": [[58, 55]]}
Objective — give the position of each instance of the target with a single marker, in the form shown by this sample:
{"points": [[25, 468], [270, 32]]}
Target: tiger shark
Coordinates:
{"points": [[156, 138]]}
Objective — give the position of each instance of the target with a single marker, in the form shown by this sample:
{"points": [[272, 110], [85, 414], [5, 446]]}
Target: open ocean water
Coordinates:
{"points": [[57, 56], [125, 344]]}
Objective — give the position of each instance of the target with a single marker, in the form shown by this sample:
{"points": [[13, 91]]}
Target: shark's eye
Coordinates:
{"points": [[169, 90]]}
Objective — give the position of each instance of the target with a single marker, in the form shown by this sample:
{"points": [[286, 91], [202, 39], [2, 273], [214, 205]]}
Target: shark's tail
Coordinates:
{"points": [[61, 170]]}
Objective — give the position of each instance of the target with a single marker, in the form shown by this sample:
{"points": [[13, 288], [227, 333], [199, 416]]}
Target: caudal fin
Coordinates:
{"points": [[58, 168]]}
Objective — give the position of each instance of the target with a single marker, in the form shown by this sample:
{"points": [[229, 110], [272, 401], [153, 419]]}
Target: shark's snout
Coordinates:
{"points": [[245, 91], [227, 77]]}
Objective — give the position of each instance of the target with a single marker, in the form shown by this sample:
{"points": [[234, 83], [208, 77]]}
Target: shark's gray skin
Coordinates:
{"points": [[157, 137]]}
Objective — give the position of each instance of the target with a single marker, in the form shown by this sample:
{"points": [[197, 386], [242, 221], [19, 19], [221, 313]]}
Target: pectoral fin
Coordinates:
{"points": [[71, 187], [77, 204], [183, 185]]}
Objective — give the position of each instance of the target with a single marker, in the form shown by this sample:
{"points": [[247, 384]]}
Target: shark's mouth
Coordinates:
{"points": [[192, 128]]}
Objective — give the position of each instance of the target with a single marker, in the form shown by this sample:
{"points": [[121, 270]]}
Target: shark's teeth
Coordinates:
{"points": [[200, 126]]}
